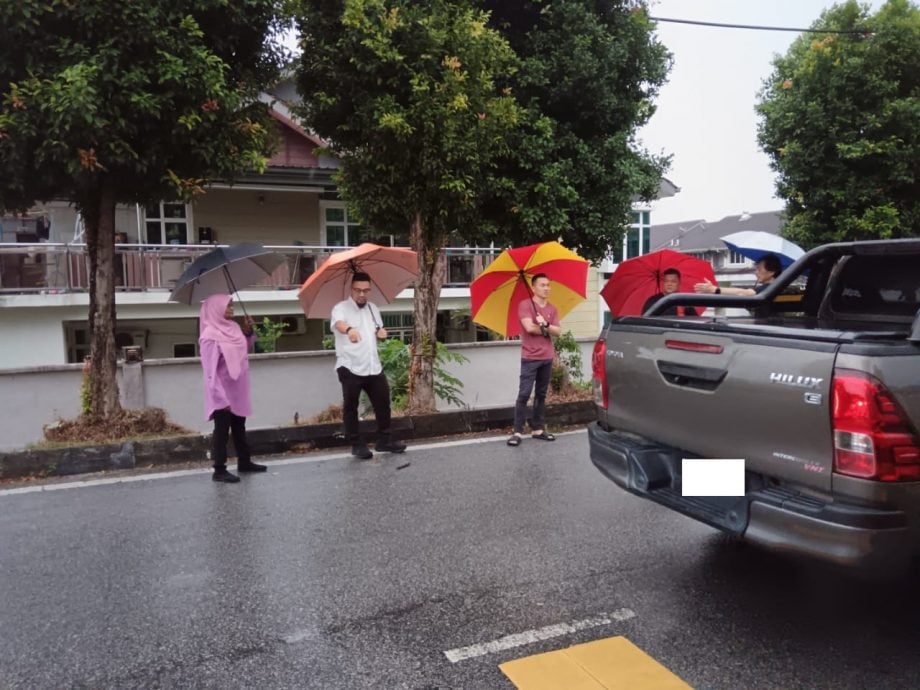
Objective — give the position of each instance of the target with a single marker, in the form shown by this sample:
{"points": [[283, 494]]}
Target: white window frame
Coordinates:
{"points": [[732, 255], [189, 221], [644, 230], [323, 205]]}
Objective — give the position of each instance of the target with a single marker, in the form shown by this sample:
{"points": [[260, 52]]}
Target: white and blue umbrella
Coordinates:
{"points": [[756, 244]]}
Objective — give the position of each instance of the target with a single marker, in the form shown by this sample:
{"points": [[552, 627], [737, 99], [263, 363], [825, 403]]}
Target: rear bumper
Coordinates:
{"points": [[779, 518]]}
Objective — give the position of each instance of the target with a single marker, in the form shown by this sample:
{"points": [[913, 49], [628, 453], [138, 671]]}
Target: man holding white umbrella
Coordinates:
{"points": [[765, 271], [770, 253]]}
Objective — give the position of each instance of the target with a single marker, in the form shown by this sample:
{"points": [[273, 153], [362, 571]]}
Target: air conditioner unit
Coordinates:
{"points": [[296, 325]]}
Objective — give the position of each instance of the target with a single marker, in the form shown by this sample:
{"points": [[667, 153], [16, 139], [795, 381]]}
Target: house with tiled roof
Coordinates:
{"points": [[702, 239]]}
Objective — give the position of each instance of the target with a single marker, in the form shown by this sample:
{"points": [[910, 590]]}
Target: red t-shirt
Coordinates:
{"points": [[537, 346]]}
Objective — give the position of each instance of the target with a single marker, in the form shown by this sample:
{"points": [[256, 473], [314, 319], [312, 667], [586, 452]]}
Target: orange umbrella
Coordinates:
{"points": [[505, 283], [391, 269]]}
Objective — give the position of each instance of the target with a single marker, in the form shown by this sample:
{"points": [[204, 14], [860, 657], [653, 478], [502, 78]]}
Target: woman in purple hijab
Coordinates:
{"points": [[225, 360]]}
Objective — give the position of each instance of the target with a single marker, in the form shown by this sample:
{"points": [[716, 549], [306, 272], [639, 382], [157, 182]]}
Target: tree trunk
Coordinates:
{"points": [[99, 218], [424, 339]]}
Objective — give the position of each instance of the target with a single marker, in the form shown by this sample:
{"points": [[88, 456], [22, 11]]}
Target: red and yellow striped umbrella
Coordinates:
{"points": [[505, 283]]}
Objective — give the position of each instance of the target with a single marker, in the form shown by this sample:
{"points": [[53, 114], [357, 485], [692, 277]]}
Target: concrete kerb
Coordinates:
{"points": [[271, 441]]}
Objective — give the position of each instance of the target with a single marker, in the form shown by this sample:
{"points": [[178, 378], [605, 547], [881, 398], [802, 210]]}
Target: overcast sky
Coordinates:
{"points": [[705, 113]]}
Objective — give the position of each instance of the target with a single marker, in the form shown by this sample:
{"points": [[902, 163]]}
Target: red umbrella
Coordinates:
{"points": [[635, 280]]}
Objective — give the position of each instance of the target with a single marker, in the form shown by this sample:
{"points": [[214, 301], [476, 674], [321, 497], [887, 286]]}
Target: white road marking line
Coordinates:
{"points": [[485, 439], [531, 636], [300, 460]]}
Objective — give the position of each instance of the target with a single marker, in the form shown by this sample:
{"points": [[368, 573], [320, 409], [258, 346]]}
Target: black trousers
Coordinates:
{"points": [[378, 391], [226, 422], [535, 373]]}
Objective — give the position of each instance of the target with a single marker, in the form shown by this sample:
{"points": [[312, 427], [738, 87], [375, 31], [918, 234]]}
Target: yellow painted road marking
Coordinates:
{"points": [[613, 663]]}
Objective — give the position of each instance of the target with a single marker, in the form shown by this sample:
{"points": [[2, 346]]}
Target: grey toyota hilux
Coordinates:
{"points": [[817, 390]]}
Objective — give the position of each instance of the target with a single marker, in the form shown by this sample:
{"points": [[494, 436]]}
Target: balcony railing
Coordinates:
{"points": [[49, 268]]}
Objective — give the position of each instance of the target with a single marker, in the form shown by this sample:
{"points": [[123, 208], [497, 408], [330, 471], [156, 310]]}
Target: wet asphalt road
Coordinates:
{"points": [[340, 574]]}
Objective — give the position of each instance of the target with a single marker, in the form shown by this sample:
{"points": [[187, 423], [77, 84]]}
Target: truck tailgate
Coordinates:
{"points": [[766, 399]]}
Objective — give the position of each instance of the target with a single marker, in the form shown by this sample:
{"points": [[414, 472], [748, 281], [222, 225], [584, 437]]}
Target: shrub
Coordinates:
{"points": [[267, 334]]}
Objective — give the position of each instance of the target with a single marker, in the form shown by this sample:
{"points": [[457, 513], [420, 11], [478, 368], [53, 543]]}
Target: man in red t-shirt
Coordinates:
{"points": [[539, 321]]}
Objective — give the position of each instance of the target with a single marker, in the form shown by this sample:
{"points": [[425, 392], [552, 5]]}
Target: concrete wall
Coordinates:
{"points": [[583, 320], [33, 335], [282, 384], [238, 216]]}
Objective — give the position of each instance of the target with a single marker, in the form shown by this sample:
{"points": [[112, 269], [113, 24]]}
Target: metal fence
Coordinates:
{"points": [[51, 268]]}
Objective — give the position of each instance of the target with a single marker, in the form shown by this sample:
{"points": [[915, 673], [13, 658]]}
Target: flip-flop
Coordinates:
{"points": [[514, 440], [543, 436]]}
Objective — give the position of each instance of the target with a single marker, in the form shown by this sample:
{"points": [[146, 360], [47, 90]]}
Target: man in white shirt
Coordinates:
{"points": [[357, 326]]}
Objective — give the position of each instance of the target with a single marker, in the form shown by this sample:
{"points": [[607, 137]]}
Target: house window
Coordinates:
{"points": [[78, 344], [736, 258], [399, 326], [339, 230], [167, 222], [632, 242], [638, 235]]}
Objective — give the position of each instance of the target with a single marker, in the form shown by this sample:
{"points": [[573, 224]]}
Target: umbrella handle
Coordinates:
{"points": [[233, 289]]}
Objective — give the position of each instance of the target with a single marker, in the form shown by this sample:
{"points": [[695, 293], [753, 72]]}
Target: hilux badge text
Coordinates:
{"points": [[795, 380]]}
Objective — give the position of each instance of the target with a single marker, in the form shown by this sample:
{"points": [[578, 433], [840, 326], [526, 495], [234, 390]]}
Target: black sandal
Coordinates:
{"points": [[515, 440], [543, 436]]}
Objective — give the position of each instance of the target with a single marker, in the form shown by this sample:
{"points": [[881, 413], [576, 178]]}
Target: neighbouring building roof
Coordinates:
{"points": [[667, 188], [701, 235]]}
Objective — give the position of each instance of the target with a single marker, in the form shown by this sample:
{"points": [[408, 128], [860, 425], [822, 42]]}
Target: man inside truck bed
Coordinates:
{"points": [[766, 271], [670, 283]]}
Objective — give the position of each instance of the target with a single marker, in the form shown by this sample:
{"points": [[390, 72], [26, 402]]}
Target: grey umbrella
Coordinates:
{"points": [[225, 270]]}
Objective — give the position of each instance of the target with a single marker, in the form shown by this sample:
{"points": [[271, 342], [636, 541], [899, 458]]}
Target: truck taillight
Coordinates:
{"points": [[872, 435], [599, 372]]}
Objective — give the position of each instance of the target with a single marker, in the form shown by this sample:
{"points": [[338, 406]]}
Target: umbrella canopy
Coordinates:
{"points": [[391, 269], [505, 283], [756, 244], [635, 280], [224, 271]]}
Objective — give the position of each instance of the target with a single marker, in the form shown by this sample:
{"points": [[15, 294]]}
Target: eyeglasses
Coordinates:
{"points": [[360, 291]]}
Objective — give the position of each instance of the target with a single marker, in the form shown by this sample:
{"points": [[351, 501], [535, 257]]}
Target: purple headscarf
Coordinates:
{"points": [[225, 332]]}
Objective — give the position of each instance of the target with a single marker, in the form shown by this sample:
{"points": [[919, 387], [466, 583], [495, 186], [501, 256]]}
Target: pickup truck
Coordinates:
{"points": [[819, 394]]}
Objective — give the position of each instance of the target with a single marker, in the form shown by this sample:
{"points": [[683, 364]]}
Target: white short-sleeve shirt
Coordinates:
{"points": [[359, 358]]}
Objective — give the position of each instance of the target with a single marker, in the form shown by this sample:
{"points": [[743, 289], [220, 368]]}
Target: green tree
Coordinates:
{"points": [[840, 120], [408, 95], [587, 75], [107, 102]]}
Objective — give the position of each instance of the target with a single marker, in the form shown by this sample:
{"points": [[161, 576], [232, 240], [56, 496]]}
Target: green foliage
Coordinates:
{"points": [[396, 357], [86, 400], [586, 77], [840, 120], [267, 334], [568, 354], [408, 94], [152, 97]]}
